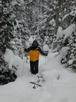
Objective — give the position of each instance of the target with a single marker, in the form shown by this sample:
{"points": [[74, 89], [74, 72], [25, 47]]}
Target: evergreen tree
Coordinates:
{"points": [[6, 35]]}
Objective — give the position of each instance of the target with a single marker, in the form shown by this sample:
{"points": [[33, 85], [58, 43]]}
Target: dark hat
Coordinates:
{"points": [[35, 44]]}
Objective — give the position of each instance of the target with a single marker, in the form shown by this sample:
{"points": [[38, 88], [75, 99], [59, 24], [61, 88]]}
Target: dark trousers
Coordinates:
{"points": [[34, 67]]}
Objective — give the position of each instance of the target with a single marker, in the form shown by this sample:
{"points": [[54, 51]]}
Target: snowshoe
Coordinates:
{"points": [[37, 81]]}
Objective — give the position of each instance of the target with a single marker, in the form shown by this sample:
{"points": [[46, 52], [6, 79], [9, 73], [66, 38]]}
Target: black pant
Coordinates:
{"points": [[34, 67]]}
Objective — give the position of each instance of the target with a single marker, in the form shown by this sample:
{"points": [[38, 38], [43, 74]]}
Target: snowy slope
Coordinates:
{"points": [[59, 85]]}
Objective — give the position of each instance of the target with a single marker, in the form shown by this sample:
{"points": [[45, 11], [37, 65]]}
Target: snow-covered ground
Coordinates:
{"points": [[59, 85]]}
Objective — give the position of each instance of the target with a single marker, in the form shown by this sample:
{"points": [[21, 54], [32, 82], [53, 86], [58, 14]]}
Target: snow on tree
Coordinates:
{"points": [[6, 35]]}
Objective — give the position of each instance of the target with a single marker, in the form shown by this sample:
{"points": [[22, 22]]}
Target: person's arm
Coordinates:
{"points": [[42, 52], [27, 50]]}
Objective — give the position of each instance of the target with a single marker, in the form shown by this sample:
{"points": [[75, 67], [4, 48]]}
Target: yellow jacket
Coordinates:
{"points": [[34, 55]]}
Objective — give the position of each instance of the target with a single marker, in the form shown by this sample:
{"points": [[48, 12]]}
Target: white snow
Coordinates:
{"points": [[63, 52], [31, 39], [67, 32], [16, 61], [52, 22], [65, 16], [59, 85], [14, 2], [59, 32]]}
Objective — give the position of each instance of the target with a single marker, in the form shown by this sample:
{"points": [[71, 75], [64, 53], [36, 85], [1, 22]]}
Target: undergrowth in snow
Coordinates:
{"points": [[59, 85]]}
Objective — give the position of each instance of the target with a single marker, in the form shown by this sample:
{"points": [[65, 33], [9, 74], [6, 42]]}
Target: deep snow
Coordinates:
{"points": [[59, 85]]}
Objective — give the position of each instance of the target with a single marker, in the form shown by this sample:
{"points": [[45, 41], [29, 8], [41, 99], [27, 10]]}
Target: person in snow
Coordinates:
{"points": [[34, 52]]}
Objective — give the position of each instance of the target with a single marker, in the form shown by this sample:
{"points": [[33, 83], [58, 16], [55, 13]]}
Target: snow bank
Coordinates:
{"points": [[16, 61]]}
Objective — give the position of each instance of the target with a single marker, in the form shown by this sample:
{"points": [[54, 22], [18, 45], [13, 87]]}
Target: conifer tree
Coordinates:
{"points": [[6, 35]]}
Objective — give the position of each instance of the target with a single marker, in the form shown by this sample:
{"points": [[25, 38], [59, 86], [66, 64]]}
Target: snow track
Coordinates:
{"points": [[59, 85]]}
